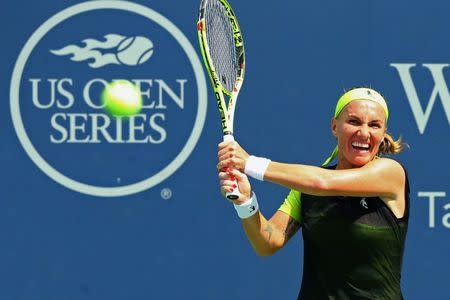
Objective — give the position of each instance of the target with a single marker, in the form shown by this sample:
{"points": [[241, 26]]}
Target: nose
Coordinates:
{"points": [[364, 131]]}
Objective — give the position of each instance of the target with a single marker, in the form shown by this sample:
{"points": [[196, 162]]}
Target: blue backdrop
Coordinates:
{"points": [[94, 208]]}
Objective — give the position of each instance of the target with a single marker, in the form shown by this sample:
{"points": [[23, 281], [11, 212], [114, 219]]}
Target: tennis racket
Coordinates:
{"points": [[222, 49]]}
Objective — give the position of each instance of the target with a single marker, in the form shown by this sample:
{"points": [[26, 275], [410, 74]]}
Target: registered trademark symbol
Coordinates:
{"points": [[166, 193]]}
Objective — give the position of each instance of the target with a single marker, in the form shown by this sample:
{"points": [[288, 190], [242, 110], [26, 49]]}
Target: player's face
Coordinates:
{"points": [[359, 129]]}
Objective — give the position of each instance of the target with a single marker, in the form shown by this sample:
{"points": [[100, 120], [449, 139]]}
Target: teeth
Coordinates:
{"points": [[361, 145]]}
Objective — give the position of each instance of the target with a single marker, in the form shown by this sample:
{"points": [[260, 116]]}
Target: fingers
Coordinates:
{"points": [[232, 179], [236, 174], [230, 155], [226, 176], [224, 144], [230, 163], [227, 182], [226, 152], [230, 167], [226, 149]]}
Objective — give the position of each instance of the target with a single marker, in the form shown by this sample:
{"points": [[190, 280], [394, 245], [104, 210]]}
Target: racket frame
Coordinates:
{"points": [[226, 111]]}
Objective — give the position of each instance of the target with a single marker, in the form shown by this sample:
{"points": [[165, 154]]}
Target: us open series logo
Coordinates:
{"points": [[55, 98]]}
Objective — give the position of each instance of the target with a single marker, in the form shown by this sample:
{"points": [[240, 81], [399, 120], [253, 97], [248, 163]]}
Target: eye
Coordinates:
{"points": [[375, 125], [353, 121]]}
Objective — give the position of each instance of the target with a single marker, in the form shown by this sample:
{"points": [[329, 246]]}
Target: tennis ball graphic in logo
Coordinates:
{"points": [[134, 51], [122, 98]]}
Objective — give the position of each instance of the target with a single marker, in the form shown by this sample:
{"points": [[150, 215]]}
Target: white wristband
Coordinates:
{"points": [[248, 208], [256, 167]]}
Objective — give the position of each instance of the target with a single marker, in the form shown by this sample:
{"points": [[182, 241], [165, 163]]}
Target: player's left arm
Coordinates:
{"points": [[382, 177]]}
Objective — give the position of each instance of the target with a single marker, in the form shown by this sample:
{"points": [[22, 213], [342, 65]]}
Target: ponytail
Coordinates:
{"points": [[389, 146]]}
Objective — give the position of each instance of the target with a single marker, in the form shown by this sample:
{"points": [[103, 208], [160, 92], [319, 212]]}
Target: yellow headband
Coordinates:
{"points": [[360, 94], [352, 95]]}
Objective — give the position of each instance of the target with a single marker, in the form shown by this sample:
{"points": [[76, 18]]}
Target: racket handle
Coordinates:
{"points": [[234, 195]]}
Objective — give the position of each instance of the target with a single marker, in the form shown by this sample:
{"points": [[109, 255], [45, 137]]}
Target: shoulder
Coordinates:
{"points": [[393, 173], [395, 170], [387, 165], [387, 175], [395, 177]]}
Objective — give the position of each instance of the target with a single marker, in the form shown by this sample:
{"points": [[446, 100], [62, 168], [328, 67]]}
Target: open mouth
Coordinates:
{"points": [[361, 146]]}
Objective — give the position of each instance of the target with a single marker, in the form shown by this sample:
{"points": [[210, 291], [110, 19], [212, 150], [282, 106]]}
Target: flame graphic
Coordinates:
{"points": [[122, 51]]}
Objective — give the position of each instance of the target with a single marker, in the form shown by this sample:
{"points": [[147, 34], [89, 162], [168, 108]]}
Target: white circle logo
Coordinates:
{"points": [[129, 54]]}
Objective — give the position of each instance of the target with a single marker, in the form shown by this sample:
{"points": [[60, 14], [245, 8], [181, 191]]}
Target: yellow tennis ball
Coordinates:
{"points": [[122, 98]]}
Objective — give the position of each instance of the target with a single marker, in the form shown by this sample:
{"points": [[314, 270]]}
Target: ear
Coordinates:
{"points": [[334, 127]]}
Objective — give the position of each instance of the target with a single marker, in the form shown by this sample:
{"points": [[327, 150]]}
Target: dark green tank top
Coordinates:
{"points": [[353, 248]]}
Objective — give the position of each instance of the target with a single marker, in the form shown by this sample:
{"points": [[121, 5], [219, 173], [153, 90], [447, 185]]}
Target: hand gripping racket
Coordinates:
{"points": [[222, 49]]}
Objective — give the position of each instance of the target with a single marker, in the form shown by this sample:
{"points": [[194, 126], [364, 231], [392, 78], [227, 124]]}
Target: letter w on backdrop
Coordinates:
{"points": [[440, 89]]}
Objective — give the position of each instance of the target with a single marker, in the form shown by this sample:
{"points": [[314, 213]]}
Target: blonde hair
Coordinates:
{"points": [[390, 146]]}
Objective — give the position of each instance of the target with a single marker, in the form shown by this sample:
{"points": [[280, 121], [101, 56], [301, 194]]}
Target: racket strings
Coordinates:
{"points": [[219, 34]]}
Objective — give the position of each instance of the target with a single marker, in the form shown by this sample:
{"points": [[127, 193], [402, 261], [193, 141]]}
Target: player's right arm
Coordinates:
{"points": [[266, 236]]}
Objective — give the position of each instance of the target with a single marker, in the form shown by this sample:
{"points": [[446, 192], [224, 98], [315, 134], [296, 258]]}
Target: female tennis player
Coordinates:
{"points": [[353, 215]]}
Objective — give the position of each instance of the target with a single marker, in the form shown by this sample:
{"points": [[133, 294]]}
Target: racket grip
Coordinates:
{"points": [[234, 195]]}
